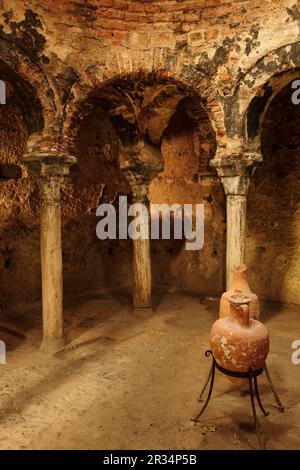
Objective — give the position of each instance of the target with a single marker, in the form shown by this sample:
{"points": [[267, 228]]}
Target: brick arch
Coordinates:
{"points": [[153, 67], [246, 107], [34, 89]]}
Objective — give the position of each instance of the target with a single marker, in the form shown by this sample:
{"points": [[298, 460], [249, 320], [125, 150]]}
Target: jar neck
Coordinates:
{"points": [[240, 281]]}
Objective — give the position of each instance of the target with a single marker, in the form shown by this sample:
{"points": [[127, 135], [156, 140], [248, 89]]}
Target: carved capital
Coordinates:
{"points": [[50, 189], [139, 184], [235, 185], [140, 193], [235, 172], [142, 158], [141, 163]]}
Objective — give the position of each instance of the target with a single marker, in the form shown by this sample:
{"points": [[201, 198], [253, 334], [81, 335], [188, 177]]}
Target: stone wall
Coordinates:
{"points": [[19, 217]]}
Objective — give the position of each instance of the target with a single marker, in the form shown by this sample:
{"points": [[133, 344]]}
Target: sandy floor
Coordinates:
{"points": [[132, 384]]}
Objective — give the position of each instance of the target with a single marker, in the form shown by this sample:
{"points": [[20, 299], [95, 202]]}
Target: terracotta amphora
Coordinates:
{"points": [[238, 342], [240, 285]]}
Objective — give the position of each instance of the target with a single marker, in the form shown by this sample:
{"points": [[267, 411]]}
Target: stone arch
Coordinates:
{"points": [[84, 100], [161, 65], [35, 94], [246, 107]]}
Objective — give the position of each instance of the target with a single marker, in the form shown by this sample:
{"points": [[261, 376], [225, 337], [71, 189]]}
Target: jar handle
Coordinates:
{"points": [[245, 314]]}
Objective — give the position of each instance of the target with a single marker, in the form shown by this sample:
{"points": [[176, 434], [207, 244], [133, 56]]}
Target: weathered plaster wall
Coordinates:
{"points": [[88, 262], [180, 183]]}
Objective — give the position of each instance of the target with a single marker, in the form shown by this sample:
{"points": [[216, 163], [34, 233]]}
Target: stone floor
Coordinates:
{"points": [[123, 383]]}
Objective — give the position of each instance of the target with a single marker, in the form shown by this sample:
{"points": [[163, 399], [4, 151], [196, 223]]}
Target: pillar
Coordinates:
{"points": [[141, 257], [235, 175], [50, 172], [51, 263], [236, 203], [141, 163]]}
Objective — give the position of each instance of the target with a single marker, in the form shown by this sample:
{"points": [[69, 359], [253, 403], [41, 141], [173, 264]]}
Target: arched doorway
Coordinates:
{"points": [[273, 203], [171, 118]]}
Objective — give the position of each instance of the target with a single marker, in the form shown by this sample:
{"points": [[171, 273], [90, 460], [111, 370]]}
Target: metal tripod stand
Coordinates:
{"points": [[251, 375]]}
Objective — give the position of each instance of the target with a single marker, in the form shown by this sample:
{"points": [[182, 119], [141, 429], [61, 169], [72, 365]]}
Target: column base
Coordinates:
{"points": [[52, 346], [142, 312]]}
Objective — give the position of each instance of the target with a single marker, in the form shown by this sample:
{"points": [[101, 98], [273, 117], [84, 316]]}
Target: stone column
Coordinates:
{"points": [[141, 256], [235, 189], [235, 176], [50, 171], [141, 163]]}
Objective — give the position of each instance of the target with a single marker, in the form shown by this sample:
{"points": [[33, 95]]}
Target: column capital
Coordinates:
{"points": [[141, 163], [235, 185], [139, 183], [50, 189], [46, 164], [235, 172]]}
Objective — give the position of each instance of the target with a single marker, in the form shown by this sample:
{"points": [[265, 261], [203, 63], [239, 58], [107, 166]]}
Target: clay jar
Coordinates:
{"points": [[238, 342], [240, 285]]}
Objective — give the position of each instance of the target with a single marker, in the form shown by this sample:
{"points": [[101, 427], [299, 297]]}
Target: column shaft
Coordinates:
{"points": [[235, 171], [141, 163], [236, 233], [51, 263], [142, 282]]}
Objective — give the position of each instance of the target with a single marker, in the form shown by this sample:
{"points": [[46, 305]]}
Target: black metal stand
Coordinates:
{"points": [[251, 375]]}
